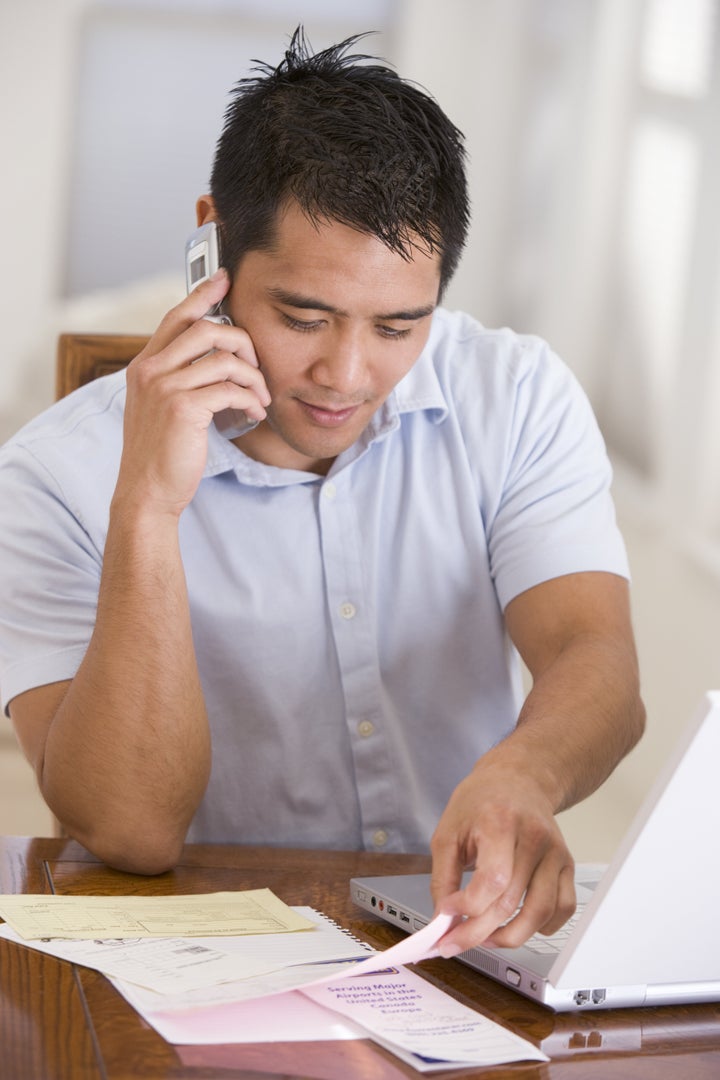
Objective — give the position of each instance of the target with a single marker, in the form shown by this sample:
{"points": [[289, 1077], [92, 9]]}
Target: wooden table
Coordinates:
{"points": [[61, 1022]]}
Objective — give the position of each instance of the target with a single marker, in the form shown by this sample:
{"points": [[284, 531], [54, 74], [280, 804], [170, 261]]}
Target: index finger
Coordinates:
{"points": [[486, 902], [482, 907], [495, 866], [195, 306]]}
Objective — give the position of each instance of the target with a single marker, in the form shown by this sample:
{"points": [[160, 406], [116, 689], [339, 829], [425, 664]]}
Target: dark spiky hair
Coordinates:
{"points": [[348, 139]]}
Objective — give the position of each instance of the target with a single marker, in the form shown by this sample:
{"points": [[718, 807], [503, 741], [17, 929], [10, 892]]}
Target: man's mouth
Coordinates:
{"points": [[325, 416]]}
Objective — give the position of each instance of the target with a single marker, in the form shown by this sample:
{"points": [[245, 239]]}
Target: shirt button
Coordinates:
{"points": [[380, 838], [365, 728], [348, 610], [329, 490]]}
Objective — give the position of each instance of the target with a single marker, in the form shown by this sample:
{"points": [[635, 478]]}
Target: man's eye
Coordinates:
{"points": [[300, 324], [393, 333]]}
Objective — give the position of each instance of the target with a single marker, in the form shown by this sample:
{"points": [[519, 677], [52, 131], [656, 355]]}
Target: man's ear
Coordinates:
{"points": [[205, 210]]}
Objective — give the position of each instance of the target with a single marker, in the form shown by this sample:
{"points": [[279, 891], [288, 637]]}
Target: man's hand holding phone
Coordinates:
{"points": [[191, 369]]}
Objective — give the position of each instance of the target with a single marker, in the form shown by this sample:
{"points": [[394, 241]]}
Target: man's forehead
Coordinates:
{"points": [[340, 270], [292, 219]]}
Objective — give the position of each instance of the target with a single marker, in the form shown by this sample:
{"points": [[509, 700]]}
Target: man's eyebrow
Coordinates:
{"points": [[409, 316], [297, 300], [310, 303]]}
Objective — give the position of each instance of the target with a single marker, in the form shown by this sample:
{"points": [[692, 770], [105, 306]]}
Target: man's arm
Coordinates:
{"points": [[581, 717], [122, 752]]}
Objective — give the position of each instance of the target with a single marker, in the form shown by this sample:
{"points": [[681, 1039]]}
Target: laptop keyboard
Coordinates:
{"points": [[553, 943]]}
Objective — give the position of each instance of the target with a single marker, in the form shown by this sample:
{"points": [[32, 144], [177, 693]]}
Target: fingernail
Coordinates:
{"points": [[448, 949]]}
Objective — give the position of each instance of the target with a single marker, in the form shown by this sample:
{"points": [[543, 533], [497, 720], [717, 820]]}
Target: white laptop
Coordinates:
{"points": [[647, 929]]}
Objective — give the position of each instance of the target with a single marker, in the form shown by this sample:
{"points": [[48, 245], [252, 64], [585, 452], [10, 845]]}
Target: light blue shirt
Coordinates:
{"points": [[348, 628]]}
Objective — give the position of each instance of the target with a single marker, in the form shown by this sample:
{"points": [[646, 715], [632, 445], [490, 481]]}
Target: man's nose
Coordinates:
{"points": [[342, 364]]}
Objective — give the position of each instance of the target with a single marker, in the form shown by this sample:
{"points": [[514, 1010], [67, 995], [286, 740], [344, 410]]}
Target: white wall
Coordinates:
{"points": [[38, 47]]}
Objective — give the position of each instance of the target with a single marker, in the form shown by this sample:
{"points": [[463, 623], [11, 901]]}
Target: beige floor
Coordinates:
{"points": [[677, 617]]}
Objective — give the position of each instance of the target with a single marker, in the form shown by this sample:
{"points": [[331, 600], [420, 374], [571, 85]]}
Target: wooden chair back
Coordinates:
{"points": [[84, 357]]}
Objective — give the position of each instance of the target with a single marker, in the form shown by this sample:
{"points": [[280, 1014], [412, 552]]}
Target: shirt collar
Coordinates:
{"points": [[420, 390]]}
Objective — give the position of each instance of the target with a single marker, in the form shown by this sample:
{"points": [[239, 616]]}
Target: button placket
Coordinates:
{"points": [[354, 634]]}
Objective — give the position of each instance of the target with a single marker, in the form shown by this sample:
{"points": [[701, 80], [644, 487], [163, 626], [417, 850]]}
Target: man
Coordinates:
{"points": [[302, 634]]}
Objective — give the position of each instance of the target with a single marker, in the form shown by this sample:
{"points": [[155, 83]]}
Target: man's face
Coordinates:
{"points": [[337, 319]]}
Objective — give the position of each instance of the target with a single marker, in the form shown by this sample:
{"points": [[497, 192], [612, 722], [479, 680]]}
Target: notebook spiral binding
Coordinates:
{"points": [[344, 930]]}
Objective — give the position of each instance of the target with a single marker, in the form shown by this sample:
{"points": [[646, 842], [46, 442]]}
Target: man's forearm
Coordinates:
{"points": [[127, 756], [582, 716], [584, 711]]}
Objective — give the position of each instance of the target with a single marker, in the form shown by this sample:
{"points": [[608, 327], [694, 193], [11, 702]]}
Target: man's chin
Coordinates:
{"points": [[323, 439], [303, 447], [322, 448]]}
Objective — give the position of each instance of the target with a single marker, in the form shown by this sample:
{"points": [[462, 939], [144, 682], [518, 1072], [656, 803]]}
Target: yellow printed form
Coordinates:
{"points": [[221, 914]]}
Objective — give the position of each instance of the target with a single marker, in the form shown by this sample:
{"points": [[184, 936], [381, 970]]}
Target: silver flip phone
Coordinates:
{"points": [[202, 259]]}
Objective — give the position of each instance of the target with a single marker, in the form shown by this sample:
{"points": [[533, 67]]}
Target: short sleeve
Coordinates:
{"points": [[545, 488], [49, 578]]}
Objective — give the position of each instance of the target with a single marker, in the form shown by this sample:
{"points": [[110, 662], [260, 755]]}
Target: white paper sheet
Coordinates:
{"points": [[306, 969]]}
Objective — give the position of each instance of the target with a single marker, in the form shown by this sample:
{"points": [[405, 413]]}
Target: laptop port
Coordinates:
{"points": [[598, 996], [581, 997], [593, 1040], [404, 917], [392, 911]]}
